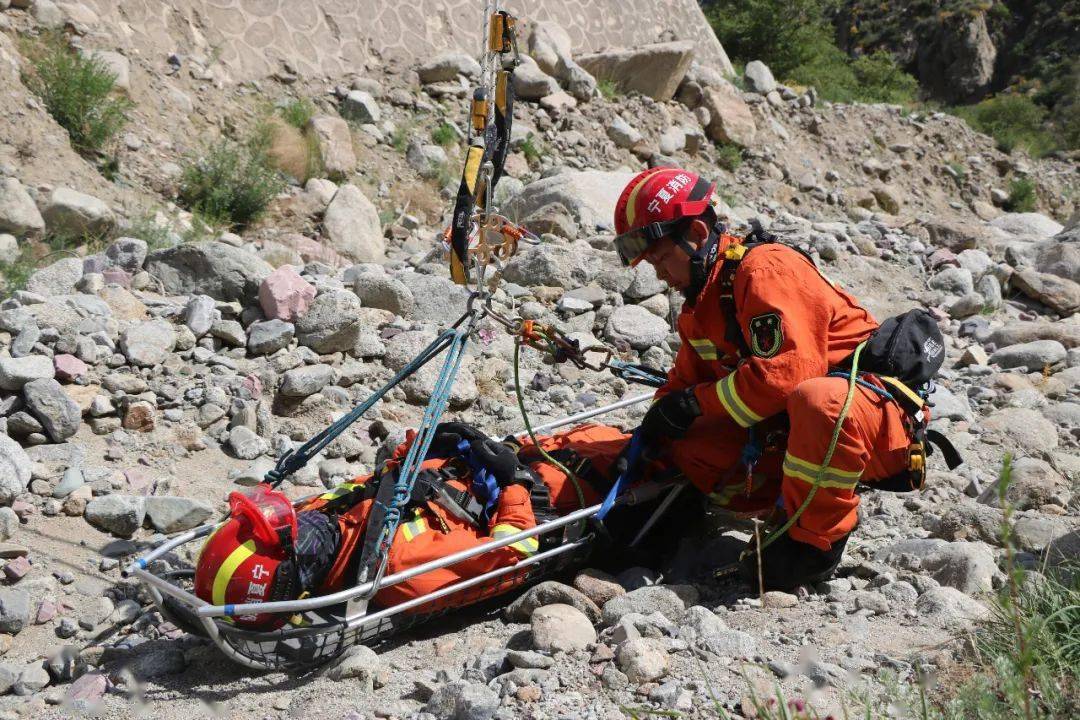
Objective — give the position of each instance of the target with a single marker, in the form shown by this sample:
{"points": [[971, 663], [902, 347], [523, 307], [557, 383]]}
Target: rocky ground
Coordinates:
{"points": [[141, 384]]}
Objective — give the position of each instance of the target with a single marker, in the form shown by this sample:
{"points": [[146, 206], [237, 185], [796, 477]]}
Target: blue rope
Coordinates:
{"points": [[862, 383], [294, 460], [410, 467]]}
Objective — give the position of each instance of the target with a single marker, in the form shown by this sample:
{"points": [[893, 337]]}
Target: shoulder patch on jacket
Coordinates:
{"points": [[766, 335]]}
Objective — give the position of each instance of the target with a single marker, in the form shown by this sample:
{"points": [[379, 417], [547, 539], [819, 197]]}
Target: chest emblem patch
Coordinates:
{"points": [[766, 335]]}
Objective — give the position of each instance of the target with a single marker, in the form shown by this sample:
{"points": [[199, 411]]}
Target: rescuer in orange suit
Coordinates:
{"points": [[761, 328]]}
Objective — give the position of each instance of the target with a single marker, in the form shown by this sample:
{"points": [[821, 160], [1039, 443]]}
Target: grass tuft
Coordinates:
{"points": [[77, 91], [609, 89], [444, 135], [728, 156], [532, 149], [298, 113], [1022, 196], [231, 183]]}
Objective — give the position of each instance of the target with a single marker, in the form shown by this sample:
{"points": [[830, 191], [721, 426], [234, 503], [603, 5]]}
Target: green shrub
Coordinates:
{"points": [[1022, 196], [728, 156], [14, 275], [230, 184], [444, 135], [1014, 121], [784, 34], [608, 88], [77, 92], [150, 231], [532, 148], [399, 139], [298, 113], [880, 80]]}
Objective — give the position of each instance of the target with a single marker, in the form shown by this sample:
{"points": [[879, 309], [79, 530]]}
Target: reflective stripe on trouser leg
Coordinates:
{"points": [[526, 547]]}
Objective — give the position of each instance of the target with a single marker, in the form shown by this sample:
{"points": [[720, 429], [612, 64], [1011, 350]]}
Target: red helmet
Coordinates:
{"points": [[654, 204], [239, 561]]}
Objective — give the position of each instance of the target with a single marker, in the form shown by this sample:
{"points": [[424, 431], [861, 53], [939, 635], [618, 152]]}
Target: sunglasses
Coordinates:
{"points": [[633, 244]]}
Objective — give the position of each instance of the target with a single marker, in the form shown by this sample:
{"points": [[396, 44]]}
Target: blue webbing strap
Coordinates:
{"points": [[484, 486], [633, 455]]}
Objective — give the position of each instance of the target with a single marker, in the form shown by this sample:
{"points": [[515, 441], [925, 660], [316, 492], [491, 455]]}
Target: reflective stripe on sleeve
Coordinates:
{"points": [[526, 547], [808, 472], [704, 348], [340, 491], [729, 398]]}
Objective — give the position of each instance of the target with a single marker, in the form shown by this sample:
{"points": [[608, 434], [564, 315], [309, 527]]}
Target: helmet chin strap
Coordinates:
{"points": [[701, 261]]}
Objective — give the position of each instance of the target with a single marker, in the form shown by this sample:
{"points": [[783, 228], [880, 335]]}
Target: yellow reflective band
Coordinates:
{"points": [[340, 491], [729, 398], [228, 568], [808, 472], [526, 547], [412, 529], [631, 202], [705, 348], [735, 252]]}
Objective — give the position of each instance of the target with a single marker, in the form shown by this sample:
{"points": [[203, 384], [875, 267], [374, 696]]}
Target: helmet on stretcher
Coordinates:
{"points": [[240, 561]]}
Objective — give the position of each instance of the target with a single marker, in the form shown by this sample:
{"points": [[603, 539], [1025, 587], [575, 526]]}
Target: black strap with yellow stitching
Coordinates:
{"points": [[491, 118]]}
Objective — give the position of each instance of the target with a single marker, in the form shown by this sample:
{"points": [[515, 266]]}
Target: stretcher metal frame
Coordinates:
{"points": [[326, 630]]}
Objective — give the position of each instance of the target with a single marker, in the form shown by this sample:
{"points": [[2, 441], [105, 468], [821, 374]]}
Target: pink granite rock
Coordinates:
{"points": [[47, 610], [115, 276], [253, 385], [87, 690], [285, 295], [17, 569], [69, 368]]}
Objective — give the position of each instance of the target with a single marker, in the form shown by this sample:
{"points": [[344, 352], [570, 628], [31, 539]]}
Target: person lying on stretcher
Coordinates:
{"points": [[471, 489]]}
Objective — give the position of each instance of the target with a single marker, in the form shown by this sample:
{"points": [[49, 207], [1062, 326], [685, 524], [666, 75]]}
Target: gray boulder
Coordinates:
{"points": [[447, 67], [437, 299], [200, 314], [561, 628], [622, 133], [14, 610], [636, 326], [352, 228], [589, 197], [644, 601], [1033, 356], [69, 213], [176, 514], [147, 344], [550, 265], [950, 608], [304, 381], [360, 107], [18, 213], [550, 593], [266, 338], [127, 253], [1031, 226], [119, 515], [60, 278], [331, 324], [15, 469], [16, 372], [57, 413], [221, 271], [385, 293], [759, 77], [643, 659], [532, 83], [967, 566], [461, 700], [427, 159], [654, 70]]}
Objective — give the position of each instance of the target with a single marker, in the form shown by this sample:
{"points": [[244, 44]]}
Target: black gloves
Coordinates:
{"points": [[448, 436], [502, 462], [670, 416], [788, 563]]}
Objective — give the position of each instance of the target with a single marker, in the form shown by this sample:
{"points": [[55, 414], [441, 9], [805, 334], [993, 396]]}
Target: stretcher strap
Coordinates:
{"points": [[484, 486]]}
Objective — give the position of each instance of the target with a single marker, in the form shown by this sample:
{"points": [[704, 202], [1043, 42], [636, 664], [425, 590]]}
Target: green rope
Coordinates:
{"points": [[852, 384], [528, 426]]}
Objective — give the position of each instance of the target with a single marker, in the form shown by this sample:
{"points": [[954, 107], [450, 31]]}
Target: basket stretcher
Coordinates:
{"points": [[323, 627]]}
